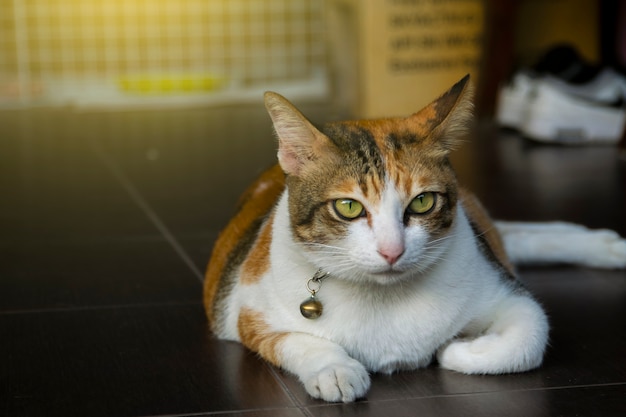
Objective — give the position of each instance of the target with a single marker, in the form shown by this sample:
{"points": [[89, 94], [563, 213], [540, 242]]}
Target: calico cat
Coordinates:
{"points": [[359, 253]]}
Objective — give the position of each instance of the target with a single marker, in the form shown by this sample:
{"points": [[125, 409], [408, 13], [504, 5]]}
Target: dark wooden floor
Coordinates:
{"points": [[107, 221]]}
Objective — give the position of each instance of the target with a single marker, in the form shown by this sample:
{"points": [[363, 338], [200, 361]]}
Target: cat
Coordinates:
{"points": [[358, 252]]}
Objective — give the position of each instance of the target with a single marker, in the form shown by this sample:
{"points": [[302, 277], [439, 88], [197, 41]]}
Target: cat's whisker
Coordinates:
{"points": [[431, 256], [323, 245], [443, 238]]}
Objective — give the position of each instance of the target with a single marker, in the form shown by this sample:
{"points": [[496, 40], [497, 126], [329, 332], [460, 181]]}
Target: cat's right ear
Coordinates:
{"points": [[299, 142]]}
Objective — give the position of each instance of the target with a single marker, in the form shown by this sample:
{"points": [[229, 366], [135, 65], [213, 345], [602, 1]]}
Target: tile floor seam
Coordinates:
{"points": [[145, 207], [389, 400], [96, 308], [228, 412], [292, 397], [470, 394]]}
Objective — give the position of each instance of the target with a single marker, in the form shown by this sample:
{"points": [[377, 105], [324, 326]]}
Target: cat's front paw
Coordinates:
{"points": [[339, 382], [488, 354]]}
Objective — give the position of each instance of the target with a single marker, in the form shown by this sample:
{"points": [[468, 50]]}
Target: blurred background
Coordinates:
{"points": [[129, 128], [362, 54], [138, 52]]}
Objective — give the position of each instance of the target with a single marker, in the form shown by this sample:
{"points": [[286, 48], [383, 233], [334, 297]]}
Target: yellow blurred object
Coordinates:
{"points": [[171, 84]]}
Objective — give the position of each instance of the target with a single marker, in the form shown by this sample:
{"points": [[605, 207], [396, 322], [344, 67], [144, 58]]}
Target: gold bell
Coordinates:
{"points": [[311, 308]]}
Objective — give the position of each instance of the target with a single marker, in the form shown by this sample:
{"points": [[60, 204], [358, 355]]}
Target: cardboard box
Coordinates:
{"points": [[392, 57]]}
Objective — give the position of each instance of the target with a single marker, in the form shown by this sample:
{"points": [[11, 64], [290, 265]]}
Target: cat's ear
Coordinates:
{"points": [[446, 120], [299, 142]]}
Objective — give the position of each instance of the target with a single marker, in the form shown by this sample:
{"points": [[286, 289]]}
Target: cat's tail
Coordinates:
{"points": [[559, 242]]}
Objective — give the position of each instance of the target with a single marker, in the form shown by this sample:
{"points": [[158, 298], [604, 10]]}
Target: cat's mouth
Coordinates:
{"points": [[391, 272], [388, 277]]}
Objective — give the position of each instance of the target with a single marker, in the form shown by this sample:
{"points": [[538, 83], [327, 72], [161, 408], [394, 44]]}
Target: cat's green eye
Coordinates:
{"points": [[423, 203], [348, 209]]}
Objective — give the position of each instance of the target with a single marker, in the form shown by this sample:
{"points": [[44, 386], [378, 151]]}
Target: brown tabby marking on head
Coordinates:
{"points": [[255, 203], [257, 335], [386, 150], [361, 158], [258, 259], [485, 231], [343, 188], [370, 157]]}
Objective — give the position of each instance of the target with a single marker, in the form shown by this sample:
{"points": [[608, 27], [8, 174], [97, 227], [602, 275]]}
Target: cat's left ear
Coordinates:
{"points": [[299, 142], [446, 120]]}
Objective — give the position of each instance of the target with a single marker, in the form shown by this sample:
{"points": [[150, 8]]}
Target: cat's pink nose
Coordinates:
{"points": [[391, 255]]}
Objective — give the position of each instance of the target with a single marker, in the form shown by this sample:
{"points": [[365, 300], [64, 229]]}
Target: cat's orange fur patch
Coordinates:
{"points": [[373, 189], [258, 260], [257, 335], [423, 125], [256, 201], [408, 185], [479, 216], [345, 188]]}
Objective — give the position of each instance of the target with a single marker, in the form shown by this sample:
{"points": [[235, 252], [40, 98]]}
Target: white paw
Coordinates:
{"points": [[485, 355], [466, 356], [607, 250], [339, 382]]}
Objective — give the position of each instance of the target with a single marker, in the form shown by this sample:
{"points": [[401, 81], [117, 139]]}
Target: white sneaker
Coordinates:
{"points": [[513, 100], [549, 109], [607, 87], [552, 115]]}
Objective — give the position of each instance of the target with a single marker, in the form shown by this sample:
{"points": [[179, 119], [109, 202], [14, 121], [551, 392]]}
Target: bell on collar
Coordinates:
{"points": [[311, 308]]}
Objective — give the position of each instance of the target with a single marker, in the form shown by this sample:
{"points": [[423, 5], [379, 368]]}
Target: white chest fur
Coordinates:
{"points": [[385, 327]]}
